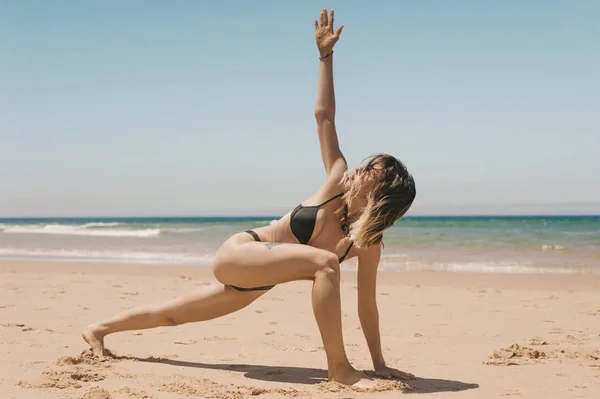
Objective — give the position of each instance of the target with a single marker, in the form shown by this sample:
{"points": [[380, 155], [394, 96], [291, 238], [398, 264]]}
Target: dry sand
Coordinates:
{"points": [[463, 335]]}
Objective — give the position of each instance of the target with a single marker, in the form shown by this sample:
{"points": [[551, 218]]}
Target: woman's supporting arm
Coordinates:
{"points": [[368, 263], [367, 303]]}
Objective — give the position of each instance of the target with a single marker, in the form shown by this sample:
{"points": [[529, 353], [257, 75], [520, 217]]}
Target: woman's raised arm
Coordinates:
{"points": [[325, 107]]}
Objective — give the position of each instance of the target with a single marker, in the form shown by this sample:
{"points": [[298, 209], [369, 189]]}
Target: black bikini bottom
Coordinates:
{"points": [[263, 288]]}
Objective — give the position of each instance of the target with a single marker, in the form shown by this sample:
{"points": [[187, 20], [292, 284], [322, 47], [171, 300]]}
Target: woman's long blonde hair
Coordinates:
{"points": [[390, 198]]}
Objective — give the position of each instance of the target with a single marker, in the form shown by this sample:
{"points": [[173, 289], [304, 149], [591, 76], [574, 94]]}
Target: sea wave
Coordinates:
{"points": [[553, 247], [500, 268], [88, 229], [101, 224], [491, 267], [84, 255], [185, 230]]}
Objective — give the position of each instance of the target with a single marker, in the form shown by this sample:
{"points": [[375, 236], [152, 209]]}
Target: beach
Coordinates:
{"points": [[464, 335]]}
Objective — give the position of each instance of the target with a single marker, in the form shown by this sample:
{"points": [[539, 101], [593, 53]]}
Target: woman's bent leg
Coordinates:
{"points": [[255, 264], [212, 301]]}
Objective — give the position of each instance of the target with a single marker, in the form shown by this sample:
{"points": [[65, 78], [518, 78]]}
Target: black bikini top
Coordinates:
{"points": [[303, 219]]}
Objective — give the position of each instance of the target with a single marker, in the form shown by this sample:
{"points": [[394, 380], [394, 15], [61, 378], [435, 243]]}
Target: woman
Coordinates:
{"points": [[344, 219]]}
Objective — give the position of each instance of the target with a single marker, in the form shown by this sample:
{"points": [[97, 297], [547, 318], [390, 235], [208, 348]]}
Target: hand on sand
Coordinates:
{"points": [[389, 372], [326, 37], [354, 378]]}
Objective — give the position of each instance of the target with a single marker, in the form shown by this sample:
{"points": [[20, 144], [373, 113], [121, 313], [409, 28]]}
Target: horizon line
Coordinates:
{"points": [[232, 216]]}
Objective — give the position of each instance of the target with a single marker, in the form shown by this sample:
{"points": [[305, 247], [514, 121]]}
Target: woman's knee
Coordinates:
{"points": [[328, 266], [330, 261]]}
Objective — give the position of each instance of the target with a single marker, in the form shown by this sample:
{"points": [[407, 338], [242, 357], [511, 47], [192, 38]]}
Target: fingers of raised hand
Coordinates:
{"points": [[338, 32], [331, 20], [324, 21]]}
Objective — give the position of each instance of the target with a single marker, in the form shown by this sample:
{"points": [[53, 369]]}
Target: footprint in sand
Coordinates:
{"points": [[514, 355], [65, 378]]}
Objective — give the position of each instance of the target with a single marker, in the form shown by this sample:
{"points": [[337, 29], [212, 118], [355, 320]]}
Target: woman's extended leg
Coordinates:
{"points": [[214, 300]]}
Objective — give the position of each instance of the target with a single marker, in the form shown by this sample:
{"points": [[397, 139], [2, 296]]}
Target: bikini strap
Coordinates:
{"points": [[331, 199], [346, 253]]}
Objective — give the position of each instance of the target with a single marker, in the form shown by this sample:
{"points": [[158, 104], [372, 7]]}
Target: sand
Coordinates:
{"points": [[462, 335]]}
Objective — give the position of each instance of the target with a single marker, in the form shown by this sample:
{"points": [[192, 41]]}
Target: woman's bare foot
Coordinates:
{"points": [[94, 339]]}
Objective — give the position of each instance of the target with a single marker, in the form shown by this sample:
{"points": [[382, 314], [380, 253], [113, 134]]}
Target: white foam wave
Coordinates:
{"points": [[101, 224], [491, 267], [499, 268], [105, 256], [183, 230], [79, 230], [553, 247]]}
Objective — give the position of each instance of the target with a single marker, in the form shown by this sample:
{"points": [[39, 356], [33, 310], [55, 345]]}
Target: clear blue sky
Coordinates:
{"points": [[198, 107]]}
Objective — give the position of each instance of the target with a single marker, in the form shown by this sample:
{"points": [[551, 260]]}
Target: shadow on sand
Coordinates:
{"points": [[302, 375]]}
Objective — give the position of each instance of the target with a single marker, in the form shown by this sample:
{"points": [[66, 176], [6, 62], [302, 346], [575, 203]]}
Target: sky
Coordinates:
{"points": [[113, 108]]}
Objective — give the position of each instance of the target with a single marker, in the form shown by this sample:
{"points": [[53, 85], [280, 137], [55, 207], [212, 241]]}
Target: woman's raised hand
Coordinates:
{"points": [[326, 37]]}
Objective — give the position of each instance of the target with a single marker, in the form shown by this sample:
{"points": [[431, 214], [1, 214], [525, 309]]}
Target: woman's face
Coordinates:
{"points": [[365, 178]]}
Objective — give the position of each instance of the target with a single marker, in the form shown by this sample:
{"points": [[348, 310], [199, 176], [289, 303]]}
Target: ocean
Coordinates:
{"points": [[482, 244]]}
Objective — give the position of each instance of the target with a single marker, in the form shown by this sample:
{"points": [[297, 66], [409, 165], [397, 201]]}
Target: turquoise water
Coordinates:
{"points": [[503, 244]]}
